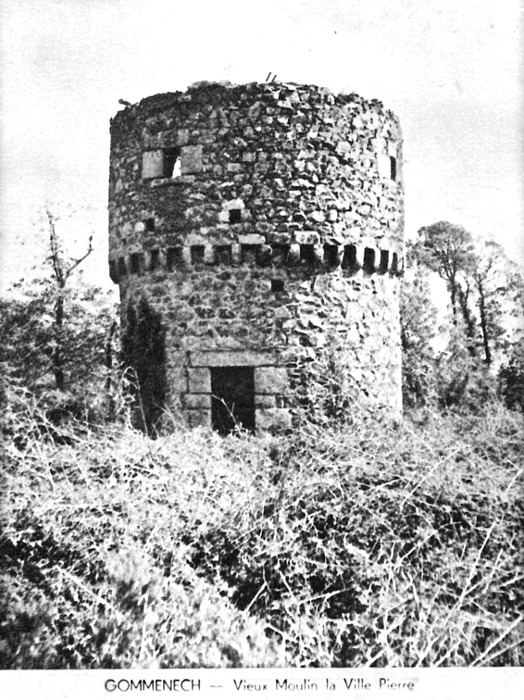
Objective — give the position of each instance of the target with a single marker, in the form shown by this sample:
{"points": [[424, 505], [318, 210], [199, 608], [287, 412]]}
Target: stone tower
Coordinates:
{"points": [[256, 231]]}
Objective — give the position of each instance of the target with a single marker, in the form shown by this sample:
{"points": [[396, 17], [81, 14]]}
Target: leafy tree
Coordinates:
{"points": [[59, 332], [418, 324]]}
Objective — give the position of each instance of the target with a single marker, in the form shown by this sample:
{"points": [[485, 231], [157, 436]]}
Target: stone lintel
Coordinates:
{"points": [[233, 358], [252, 239]]}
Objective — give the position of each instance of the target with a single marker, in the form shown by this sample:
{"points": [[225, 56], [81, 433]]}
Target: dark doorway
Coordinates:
{"points": [[233, 402]]}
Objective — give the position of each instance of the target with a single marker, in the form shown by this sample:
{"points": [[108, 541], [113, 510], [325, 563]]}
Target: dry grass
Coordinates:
{"points": [[366, 543]]}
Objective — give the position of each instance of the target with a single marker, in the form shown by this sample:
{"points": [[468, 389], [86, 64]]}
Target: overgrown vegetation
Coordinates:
{"points": [[379, 544], [356, 540]]}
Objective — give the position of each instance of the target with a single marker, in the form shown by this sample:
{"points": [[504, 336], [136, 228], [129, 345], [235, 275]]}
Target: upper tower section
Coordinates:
{"points": [[272, 164]]}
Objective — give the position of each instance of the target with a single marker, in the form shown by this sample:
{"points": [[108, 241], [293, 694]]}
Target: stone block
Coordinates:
{"points": [[232, 358], [199, 418], [265, 401], [277, 419], [191, 159], [270, 380], [152, 164], [197, 401], [199, 380]]}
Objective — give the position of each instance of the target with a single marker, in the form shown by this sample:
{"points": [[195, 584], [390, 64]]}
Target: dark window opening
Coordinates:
{"points": [[233, 398], [369, 261], [223, 254], [280, 254], [349, 261], [250, 253], [277, 285], [155, 260], [307, 254], [394, 264], [197, 254], [384, 262], [393, 168], [136, 263], [331, 255], [235, 216], [174, 257], [150, 224], [171, 165], [121, 267]]}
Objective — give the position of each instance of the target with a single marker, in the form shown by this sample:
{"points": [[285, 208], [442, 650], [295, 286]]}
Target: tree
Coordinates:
{"points": [[418, 325], [58, 332]]}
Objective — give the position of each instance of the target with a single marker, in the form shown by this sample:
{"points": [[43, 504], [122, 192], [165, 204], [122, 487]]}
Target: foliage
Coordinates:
{"points": [[363, 543], [511, 378], [418, 326], [60, 334]]}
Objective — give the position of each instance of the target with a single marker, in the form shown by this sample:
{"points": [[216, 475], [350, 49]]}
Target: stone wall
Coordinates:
{"points": [[264, 224]]}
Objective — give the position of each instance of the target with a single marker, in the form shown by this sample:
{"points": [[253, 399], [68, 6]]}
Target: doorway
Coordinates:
{"points": [[233, 398]]}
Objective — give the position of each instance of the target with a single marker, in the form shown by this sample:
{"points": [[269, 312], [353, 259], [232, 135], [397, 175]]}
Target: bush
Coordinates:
{"points": [[364, 543]]}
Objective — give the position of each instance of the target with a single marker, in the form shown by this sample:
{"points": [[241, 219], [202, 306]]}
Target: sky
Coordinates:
{"points": [[450, 69]]}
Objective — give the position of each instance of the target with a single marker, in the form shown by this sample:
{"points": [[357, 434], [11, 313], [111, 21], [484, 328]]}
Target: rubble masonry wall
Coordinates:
{"points": [[276, 237]]}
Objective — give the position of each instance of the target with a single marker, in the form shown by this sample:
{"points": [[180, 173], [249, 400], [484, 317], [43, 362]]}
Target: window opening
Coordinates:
{"points": [[197, 254], [349, 261], [250, 253], [171, 166], [394, 264], [277, 285], [307, 253], [150, 224], [121, 267], [233, 398], [369, 261], [223, 254], [393, 168], [331, 255], [135, 263], [384, 261], [155, 260], [174, 257], [235, 216], [280, 254]]}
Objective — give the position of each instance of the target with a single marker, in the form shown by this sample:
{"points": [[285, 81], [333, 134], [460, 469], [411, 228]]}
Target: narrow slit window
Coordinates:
{"points": [[394, 264], [369, 261], [235, 216], [155, 260], [121, 267], [384, 262], [135, 264], [393, 168], [349, 261]]}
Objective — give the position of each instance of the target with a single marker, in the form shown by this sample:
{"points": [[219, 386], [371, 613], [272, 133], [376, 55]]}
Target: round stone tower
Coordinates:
{"points": [[256, 233]]}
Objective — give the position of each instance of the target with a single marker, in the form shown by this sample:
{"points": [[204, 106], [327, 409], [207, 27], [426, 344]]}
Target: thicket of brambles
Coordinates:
{"points": [[355, 540]]}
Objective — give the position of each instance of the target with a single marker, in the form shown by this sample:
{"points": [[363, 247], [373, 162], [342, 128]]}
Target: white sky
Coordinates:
{"points": [[450, 69]]}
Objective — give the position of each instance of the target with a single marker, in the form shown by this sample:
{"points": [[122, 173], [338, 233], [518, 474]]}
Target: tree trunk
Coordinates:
{"points": [[58, 359]]}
